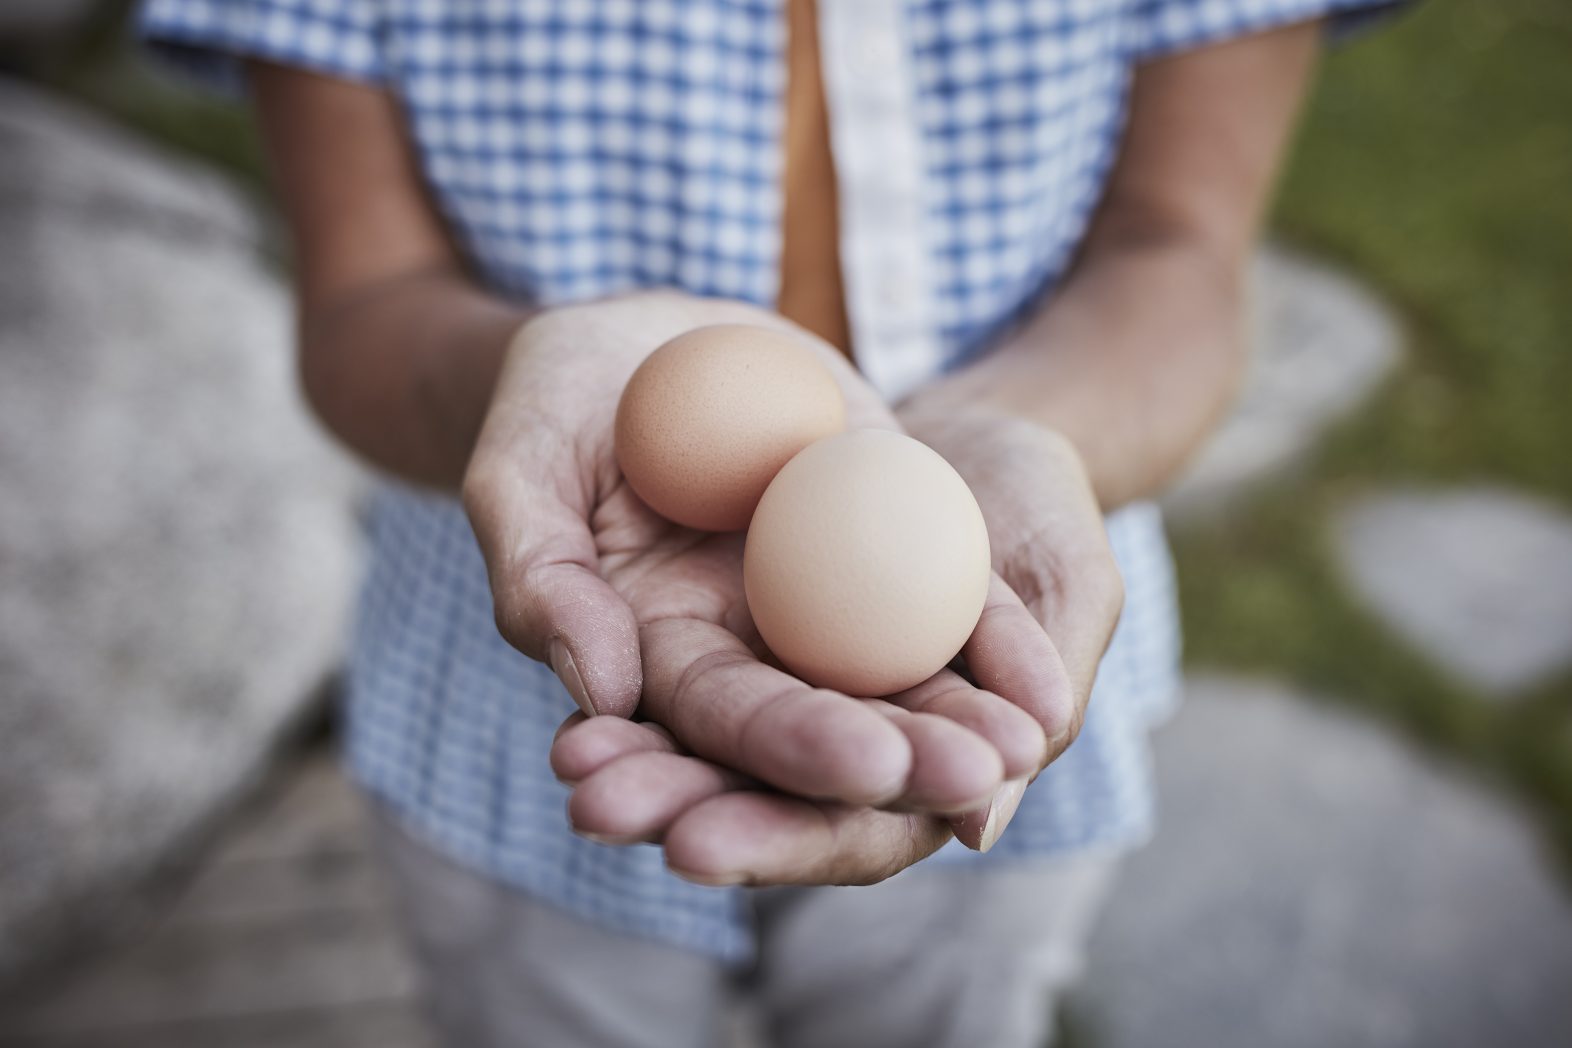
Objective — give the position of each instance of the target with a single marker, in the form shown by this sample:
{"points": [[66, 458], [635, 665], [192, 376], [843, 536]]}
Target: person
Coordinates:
{"points": [[1016, 229]]}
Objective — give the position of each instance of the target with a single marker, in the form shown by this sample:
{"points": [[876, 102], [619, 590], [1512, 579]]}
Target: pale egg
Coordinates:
{"points": [[867, 563], [711, 416]]}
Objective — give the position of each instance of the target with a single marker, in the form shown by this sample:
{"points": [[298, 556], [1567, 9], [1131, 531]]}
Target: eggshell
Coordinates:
{"points": [[867, 563], [711, 416]]}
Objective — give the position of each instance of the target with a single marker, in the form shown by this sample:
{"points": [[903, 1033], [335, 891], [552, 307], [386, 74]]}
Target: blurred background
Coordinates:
{"points": [[1366, 802]]}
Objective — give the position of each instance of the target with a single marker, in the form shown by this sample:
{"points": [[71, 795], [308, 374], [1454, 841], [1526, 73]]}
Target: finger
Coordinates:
{"points": [[636, 797], [584, 745], [765, 838], [549, 598], [953, 768], [1009, 654], [1012, 731], [725, 705], [1079, 607], [573, 721], [981, 827]]}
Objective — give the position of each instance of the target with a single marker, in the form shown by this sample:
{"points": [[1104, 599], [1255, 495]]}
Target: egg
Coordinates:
{"points": [[867, 563], [709, 418]]}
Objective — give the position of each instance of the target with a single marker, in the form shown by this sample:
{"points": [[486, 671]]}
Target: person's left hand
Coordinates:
{"points": [[632, 783]]}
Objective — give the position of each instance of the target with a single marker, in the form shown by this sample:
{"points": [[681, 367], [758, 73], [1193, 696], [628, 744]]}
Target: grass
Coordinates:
{"points": [[1436, 160]]}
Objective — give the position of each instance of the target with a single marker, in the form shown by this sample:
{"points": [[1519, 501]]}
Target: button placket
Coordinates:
{"points": [[870, 89]]}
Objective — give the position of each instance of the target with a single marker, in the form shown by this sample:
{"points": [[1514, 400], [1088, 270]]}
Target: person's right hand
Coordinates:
{"points": [[632, 611]]}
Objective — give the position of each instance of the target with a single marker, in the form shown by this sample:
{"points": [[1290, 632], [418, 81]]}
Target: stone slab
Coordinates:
{"points": [[1478, 578], [178, 542], [297, 946], [1315, 881], [1322, 343]]}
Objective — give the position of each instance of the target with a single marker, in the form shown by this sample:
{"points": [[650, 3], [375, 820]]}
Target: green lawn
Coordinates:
{"points": [[1436, 161]]}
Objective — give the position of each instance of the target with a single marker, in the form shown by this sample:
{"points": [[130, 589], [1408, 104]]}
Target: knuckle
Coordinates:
{"points": [[1108, 590], [509, 619], [539, 326], [1055, 447], [697, 673], [1071, 732], [478, 488], [913, 838], [686, 711], [513, 612]]}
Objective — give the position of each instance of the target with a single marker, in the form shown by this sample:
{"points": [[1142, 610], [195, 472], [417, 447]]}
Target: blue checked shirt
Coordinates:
{"points": [[578, 149]]}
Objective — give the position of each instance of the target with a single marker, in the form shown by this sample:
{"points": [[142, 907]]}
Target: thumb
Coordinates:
{"points": [[550, 600]]}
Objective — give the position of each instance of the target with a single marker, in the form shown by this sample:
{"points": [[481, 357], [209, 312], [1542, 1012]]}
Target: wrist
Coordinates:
{"points": [[979, 437], [1132, 362]]}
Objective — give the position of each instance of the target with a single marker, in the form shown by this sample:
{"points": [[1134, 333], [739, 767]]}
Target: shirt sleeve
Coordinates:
{"points": [[1160, 27], [209, 38]]}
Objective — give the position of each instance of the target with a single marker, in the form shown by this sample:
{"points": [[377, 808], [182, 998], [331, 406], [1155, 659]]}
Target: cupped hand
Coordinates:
{"points": [[633, 611], [1050, 549], [634, 782]]}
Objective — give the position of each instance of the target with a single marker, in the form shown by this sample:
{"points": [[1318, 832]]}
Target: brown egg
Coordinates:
{"points": [[711, 416], [867, 563]]}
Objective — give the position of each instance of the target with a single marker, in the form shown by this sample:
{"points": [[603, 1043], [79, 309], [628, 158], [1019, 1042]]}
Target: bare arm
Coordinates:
{"points": [[1138, 354], [412, 363], [399, 348]]}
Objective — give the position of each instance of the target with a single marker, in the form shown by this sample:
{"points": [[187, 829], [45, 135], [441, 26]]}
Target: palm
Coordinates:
{"points": [[636, 783], [707, 681], [634, 611], [665, 571], [692, 581]]}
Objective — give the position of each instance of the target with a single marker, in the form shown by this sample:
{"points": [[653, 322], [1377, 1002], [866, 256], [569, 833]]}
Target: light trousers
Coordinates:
{"points": [[936, 957]]}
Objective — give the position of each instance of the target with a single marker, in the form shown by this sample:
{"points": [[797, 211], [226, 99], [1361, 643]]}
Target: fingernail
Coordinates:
{"points": [[1001, 811], [597, 838], [568, 672], [711, 880]]}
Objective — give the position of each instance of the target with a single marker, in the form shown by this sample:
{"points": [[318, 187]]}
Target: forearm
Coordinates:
{"points": [[403, 370], [1134, 361], [399, 347], [1137, 354]]}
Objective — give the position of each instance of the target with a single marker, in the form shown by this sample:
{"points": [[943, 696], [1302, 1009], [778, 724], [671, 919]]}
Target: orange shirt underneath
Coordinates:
{"points": [[810, 279]]}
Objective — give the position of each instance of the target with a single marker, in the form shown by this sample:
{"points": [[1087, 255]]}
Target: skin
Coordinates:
{"points": [[632, 609], [743, 774]]}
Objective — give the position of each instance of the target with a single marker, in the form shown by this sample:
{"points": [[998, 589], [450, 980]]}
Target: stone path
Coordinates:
{"points": [[1322, 344], [284, 936], [1479, 579], [1316, 882]]}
